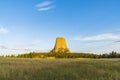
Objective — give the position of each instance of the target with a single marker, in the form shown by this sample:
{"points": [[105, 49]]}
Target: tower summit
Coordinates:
{"points": [[60, 46]]}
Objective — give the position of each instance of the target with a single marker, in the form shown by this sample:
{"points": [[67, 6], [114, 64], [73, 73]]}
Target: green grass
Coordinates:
{"points": [[59, 69]]}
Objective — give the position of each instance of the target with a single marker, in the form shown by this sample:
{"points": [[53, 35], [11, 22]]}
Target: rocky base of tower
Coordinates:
{"points": [[60, 50]]}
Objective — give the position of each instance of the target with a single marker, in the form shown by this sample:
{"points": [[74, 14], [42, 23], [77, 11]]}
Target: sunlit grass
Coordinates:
{"points": [[83, 58], [59, 69], [50, 58]]}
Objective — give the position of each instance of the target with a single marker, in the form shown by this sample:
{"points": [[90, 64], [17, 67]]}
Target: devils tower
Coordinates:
{"points": [[60, 46]]}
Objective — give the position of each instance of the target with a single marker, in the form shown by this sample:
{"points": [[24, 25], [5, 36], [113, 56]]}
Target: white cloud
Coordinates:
{"points": [[3, 30], [108, 36], [45, 6], [102, 43]]}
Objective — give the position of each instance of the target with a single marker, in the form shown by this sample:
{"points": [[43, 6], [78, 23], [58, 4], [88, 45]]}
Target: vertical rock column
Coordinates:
{"points": [[60, 46]]}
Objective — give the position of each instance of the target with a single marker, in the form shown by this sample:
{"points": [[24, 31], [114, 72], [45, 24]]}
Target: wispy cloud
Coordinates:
{"points": [[15, 49], [107, 36], [3, 47], [45, 6], [118, 41], [118, 30], [3, 30]]}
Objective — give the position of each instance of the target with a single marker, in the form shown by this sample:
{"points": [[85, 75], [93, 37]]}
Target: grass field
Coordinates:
{"points": [[59, 69]]}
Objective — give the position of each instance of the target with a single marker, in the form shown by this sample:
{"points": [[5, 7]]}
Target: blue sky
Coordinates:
{"points": [[33, 25]]}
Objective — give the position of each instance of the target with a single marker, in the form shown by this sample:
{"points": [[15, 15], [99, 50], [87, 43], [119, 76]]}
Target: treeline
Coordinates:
{"points": [[58, 55], [113, 54]]}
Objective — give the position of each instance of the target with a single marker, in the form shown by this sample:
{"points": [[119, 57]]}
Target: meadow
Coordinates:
{"points": [[59, 69]]}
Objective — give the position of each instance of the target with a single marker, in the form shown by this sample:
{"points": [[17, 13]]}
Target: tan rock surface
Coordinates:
{"points": [[61, 46]]}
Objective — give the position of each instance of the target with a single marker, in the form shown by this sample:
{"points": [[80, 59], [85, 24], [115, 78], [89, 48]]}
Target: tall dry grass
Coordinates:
{"points": [[59, 69]]}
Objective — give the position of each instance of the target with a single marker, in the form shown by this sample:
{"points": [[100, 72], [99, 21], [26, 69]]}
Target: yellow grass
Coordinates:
{"points": [[83, 58], [50, 58]]}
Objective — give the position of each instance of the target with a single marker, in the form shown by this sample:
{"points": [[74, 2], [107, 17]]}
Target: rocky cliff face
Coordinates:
{"points": [[60, 46]]}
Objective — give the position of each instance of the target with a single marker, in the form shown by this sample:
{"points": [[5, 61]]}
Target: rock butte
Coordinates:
{"points": [[60, 46]]}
